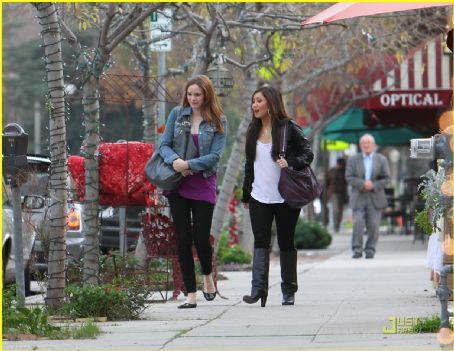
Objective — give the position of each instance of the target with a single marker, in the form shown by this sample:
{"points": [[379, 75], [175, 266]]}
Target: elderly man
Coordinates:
{"points": [[367, 173]]}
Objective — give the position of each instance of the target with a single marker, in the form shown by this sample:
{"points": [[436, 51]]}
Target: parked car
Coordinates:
{"points": [[74, 240], [110, 228], [74, 236], [33, 205], [109, 237]]}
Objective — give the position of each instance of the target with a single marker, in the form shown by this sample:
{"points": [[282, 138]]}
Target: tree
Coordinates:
{"points": [[55, 101], [118, 22]]}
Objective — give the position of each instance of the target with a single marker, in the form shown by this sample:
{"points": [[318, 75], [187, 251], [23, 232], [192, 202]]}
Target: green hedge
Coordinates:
{"points": [[234, 254], [311, 235]]}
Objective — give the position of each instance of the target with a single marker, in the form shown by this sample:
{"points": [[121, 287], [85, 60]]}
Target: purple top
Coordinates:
{"points": [[196, 186]]}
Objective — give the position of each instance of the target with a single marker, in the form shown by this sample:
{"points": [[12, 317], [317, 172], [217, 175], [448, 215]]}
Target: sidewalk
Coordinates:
{"points": [[341, 304]]}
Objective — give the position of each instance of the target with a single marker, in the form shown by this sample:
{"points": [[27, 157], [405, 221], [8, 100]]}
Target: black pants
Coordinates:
{"points": [[192, 220], [262, 216]]}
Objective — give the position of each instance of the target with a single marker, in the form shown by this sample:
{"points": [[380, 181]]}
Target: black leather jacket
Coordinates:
{"points": [[299, 154]]}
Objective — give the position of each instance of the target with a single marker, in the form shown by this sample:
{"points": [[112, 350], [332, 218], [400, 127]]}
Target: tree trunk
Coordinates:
{"points": [[91, 201], [245, 236], [236, 158], [51, 36], [316, 149], [202, 49], [150, 127], [150, 136], [149, 107]]}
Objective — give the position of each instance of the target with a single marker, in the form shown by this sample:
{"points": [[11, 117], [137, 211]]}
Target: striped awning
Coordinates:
{"points": [[423, 79]]}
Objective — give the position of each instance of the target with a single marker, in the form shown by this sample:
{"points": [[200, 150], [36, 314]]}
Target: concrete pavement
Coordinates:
{"points": [[341, 304]]}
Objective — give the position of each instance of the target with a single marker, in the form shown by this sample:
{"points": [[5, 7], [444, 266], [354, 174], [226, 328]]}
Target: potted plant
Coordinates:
{"points": [[434, 189], [436, 202]]}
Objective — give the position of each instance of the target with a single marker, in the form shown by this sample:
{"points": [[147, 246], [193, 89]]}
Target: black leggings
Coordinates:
{"points": [[195, 231], [262, 216]]}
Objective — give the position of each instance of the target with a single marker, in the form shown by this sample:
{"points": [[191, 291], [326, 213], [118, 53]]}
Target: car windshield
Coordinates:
{"points": [[6, 194], [36, 183], [37, 179]]}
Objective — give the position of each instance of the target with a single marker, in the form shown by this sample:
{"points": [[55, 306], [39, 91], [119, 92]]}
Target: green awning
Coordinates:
{"points": [[349, 127]]}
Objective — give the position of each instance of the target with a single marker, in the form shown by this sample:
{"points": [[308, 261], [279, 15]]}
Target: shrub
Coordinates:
{"points": [[35, 320], [428, 325], [116, 302], [122, 295], [234, 254], [23, 320], [311, 235]]}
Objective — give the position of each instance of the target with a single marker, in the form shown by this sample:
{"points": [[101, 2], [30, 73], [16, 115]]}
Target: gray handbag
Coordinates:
{"points": [[162, 174]]}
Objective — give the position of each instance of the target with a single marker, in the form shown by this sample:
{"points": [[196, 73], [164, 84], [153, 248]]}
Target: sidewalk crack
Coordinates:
{"points": [[185, 331], [328, 320]]}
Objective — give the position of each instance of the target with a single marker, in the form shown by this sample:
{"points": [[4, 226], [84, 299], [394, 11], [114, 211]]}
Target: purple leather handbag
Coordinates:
{"points": [[298, 188]]}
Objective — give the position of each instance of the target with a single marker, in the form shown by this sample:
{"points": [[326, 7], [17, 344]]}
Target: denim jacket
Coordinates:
{"points": [[211, 142]]}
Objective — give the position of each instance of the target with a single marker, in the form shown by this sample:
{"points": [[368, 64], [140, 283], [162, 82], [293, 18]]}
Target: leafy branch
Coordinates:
{"points": [[430, 188]]}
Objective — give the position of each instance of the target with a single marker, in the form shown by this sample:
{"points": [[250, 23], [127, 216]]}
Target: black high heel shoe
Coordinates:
{"points": [[187, 305], [288, 299], [209, 296], [253, 299]]}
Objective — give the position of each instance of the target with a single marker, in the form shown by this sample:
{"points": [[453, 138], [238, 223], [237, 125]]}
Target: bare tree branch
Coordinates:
{"points": [[197, 23], [70, 36], [127, 26], [106, 25], [250, 64]]}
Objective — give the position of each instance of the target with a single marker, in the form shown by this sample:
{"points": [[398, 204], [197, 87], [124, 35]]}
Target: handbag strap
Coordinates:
{"points": [[283, 130], [187, 128], [186, 142]]}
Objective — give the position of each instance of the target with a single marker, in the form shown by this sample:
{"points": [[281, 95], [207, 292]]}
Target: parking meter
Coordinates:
{"points": [[434, 148], [14, 144]]}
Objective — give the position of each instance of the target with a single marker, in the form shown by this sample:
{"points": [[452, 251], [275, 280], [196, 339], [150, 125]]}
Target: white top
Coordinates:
{"points": [[266, 176]]}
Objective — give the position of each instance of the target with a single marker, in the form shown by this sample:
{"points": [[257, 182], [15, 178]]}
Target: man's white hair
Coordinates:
{"points": [[367, 136]]}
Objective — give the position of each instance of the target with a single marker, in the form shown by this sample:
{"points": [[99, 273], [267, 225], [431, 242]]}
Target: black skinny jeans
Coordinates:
{"points": [[189, 231], [262, 216]]}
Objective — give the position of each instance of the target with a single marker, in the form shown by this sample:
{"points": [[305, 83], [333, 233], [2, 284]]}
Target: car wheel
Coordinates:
{"points": [[27, 280], [3, 276], [5, 263]]}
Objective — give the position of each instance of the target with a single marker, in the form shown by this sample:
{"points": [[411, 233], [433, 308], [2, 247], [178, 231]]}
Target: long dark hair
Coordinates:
{"points": [[211, 108], [278, 117]]}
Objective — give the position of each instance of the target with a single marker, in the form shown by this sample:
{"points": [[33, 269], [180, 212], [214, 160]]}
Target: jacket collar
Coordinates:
{"points": [[187, 111]]}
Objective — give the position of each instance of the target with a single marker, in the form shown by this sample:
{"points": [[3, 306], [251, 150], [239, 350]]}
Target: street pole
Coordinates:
{"points": [[18, 245], [15, 166], [161, 23], [123, 236], [37, 134], [162, 70]]}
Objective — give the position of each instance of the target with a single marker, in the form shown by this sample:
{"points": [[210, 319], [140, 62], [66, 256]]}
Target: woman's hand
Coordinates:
{"points": [[179, 165], [186, 172], [282, 162], [246, 205]]}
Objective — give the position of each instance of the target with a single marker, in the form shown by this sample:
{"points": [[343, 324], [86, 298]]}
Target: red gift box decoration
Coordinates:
{"points": [[122, 181]]}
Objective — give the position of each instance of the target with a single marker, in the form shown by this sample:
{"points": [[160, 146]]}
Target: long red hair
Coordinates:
{"points": [[211, 108]]}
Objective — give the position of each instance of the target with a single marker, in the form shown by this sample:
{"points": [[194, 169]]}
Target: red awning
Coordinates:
{"points": [[422, 80], [344, 10], [414, 92], [418, 90]]}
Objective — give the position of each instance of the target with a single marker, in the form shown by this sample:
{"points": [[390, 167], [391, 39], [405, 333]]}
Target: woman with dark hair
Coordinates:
{"points": [[261, 195], [192, 203]]}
